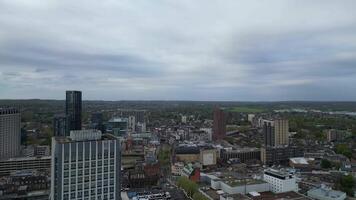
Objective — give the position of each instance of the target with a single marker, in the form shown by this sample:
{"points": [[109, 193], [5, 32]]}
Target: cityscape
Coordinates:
{"points": [[177, 100], [75, 149]]}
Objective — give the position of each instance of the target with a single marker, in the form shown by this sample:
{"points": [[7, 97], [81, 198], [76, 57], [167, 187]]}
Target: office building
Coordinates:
{"points": [[219, 124], [276, 132], [280, 155], [86, 165], [117, 126], [60, 125], [74, 109], [242, 154], [280, 181], [10, 133]]}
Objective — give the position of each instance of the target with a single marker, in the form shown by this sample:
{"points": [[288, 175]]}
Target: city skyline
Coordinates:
{"points": [[136, 50]]}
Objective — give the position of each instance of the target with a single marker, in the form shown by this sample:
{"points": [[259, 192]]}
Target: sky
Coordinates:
{"points": [[231, 50]]}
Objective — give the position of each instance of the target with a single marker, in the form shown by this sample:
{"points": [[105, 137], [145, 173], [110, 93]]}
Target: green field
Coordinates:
{"points": [[247, 109]]}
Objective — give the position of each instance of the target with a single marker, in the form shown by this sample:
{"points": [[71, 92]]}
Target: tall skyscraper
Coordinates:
{"points": [[276, 132], [10, 133], [86, 165], [219, 124], [268, 133], [74, 109], [60, 126]]}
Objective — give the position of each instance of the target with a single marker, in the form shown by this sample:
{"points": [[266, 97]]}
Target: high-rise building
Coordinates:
{"points": [[10, 133], [132, 123], [276, 132], [86, 165], [60, 126], [219, 124], [268, 133], [74, 109]]}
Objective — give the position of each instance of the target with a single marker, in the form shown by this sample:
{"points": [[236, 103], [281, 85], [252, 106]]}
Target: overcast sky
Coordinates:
{"points": [[258, 50]]}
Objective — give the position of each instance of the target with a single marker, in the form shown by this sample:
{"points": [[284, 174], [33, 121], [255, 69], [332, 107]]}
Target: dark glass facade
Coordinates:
{"points": [[74, 109]]}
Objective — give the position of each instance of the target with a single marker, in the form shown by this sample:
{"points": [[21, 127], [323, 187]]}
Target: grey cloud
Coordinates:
{"points": [[192, 50]]}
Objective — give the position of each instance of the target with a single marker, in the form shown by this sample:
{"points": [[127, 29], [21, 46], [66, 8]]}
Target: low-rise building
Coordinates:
{"points": [[208, 157], [177, 169], [24, 163], [230, 184], [324, 193], [243, 154]]}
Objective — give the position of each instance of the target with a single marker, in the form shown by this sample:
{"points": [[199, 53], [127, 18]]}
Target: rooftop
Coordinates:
{"points": [[284, 196], [326, 192]]}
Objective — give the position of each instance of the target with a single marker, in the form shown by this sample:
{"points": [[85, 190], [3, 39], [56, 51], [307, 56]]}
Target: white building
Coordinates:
{"points": [[232, 185], [85, 165], [250, 117], [280, 181], [184, 119]]}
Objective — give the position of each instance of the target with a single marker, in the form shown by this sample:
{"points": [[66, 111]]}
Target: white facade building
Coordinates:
{"points": [[280, 181], [86, 165]]}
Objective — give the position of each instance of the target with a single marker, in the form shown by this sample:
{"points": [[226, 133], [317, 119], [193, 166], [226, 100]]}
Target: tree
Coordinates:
{"points": [[347, 183], [188, 186], [325, 164], [199, 196], [344, 150]]}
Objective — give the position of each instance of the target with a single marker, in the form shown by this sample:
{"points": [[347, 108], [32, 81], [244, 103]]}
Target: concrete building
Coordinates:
{"points": [[131, 124], [301, 163], [25, 163], [86, 165], [219, 124], [333, 135], [243, 154], [280, 181], [10, 133], [208, 157], [233, 185], [276, 132], [250, 117], [325, 193], [184, 119], [280, 155], [74, 110], [187, 154]]}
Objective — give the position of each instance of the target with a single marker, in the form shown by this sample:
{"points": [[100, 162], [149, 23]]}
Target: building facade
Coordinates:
{"points": [[280, 181], [279, 155], [219, 124], [74, 109], [276, 132], [10, 133], [86, 165], [25, 163]]}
